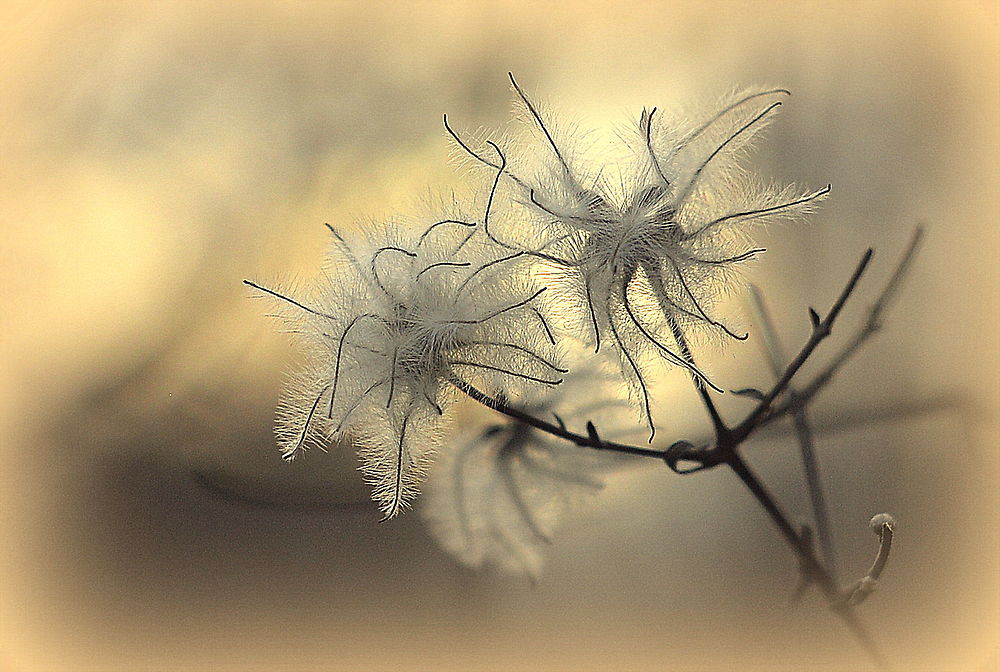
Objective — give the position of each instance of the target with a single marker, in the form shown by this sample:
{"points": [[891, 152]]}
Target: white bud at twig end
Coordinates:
{"points": [[880, 519]]}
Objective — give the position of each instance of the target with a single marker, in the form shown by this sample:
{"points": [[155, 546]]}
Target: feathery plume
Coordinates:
{"points": [[645, 261], [498, 497], [398, 316]]}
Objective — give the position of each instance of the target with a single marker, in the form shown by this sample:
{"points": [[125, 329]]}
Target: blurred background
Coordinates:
{"points": [[154, 155]]}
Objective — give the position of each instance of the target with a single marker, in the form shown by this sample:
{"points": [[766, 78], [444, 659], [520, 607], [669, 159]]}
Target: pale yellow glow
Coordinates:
{"points": [[154, 155]]}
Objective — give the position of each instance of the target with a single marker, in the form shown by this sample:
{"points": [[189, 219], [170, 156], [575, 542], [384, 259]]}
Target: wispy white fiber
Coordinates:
{"points": [[399, 313], [497, 496]]}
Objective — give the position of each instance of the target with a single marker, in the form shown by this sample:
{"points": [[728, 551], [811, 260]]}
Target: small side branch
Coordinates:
{"points": [[821, 330], [803, 431], [811, 566], [871, 326], [590, 441]]}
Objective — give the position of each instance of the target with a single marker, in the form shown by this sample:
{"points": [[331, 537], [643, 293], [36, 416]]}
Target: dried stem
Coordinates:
{"points": [[803, 431], [821, 330], [871, 326], [591, 441], [728, 440]]}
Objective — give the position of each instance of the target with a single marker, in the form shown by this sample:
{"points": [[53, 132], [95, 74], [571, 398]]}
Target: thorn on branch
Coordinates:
{"points": [[592, 433], [562, 425], [814, 317]]}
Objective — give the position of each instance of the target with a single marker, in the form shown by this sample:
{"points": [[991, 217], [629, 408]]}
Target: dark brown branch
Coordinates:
{"points": [[501, 406], [816, 572], [821, 330], [803, 432], [871, 326]]}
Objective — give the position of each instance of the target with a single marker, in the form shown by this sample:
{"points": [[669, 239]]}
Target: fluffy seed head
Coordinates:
{"points": [[644, 261], [399, 314]]}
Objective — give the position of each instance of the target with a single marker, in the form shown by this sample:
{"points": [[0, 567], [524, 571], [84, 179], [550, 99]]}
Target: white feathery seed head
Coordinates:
{"points": [[400, 314], [643, 262]]}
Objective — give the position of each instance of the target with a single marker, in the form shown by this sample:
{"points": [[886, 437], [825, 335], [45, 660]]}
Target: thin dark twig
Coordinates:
{"points": [[821, 329], [721, 430], [871, 326], [804, 433], [547, 427], [814, 483], [809, 562]]}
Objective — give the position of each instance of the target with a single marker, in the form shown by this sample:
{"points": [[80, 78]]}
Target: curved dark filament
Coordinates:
{"points": [[290, 453], [500, 171], [453, 264], [531, 353], [289, 300], [745, 256], [493, 189], [437, 407], [638, 375], [423, 236], [704, 164], [374, 267], [646, 126], [480, 158], [718, 115], [482, 268], [396, 500], [671, 355], [354, 406], [701, 311], [545, 325], [760, 211], [593, 314], [467, 238], [508, 372], [549, 258], [559, 215], [344, 247], [501, 311], [392, 377], [340, 352], [541, 125], [511, 449]]}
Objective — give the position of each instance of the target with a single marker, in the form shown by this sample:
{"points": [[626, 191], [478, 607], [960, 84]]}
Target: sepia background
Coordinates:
{"points": [[152, 155]]}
